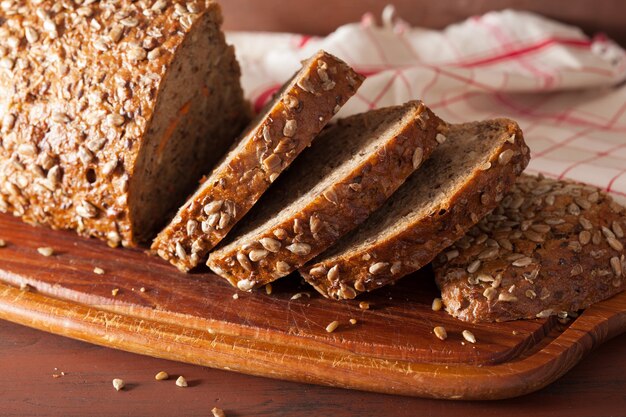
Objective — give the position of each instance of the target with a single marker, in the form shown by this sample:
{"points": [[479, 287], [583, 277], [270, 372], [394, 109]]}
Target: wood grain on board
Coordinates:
{"points": [[195, 319]]}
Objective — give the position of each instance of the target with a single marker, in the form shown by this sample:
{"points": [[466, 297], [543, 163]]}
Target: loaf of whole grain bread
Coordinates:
{"points": [[464, 179], [104, 111], [287, 125], [550, 248], [348, 172]]}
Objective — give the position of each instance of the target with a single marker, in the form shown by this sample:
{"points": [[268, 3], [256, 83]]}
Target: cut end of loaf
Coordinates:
{"points": [[464, 179], [348, 172], [268, 146], [183, 142]]}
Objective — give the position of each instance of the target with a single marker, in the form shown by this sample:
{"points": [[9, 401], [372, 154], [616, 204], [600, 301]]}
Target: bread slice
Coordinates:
{"points": [[288, 124], [104, 112], [349, 171], [463, 180], [551, 247]]}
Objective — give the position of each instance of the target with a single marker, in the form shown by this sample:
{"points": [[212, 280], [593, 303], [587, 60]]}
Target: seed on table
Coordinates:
{"points": [[469, 336], [332, 326], [364, 305], [437, 304], [45, 251], [218, 412], [98, 271], [353, 321], [118, 384], [181, 382], [440, 332], [161, 376]]}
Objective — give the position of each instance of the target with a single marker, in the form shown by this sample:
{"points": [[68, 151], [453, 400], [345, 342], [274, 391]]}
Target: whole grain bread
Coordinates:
{"points": [[349, 171], [463, 180], [551, 247], [288, 124], [104, 106]]}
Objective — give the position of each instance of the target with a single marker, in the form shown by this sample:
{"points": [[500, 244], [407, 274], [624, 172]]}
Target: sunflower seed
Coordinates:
{"points": [[576, 270], [522, 262], [473, 267], [440, 332], [378, 268], [256, 255], [332, 326], [584, 237], [506, 297], [469, 336], [490, 293], [301, 249], [616, 266], [290, 128], [418, 156], [488, 253], [244, 262], [245, 284], [270, 244], [161, 376], [333, 273], [505, 157], [282, 267], [615, 244]]}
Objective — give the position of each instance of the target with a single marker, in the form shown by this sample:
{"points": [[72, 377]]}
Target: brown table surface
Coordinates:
{"points": [[29, 359]]}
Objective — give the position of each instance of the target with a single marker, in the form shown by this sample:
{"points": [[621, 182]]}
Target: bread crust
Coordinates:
{"points": [[351, 272], [79, 86], [289, 124], [335, 210], [557, 247]]}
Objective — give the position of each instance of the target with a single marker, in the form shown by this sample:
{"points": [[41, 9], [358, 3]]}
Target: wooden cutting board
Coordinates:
{"points": [[160, 312]]}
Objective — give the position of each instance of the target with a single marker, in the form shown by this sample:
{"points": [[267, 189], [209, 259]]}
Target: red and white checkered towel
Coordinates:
{"points": [[566, 91]]}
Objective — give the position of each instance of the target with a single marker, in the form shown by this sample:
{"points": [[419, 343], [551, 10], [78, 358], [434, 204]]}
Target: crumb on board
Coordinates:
{"points": [[235, 296], [181, 382], [437, 304], [118, 384], [98, 270], [364, 305], [114, 291], [268, 289], [353, 321], [3, 243]]}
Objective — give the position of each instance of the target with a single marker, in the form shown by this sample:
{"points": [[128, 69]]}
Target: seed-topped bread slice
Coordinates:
{"points": [[463, 180], [287, 125], [350, 170], [551, 247]]}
